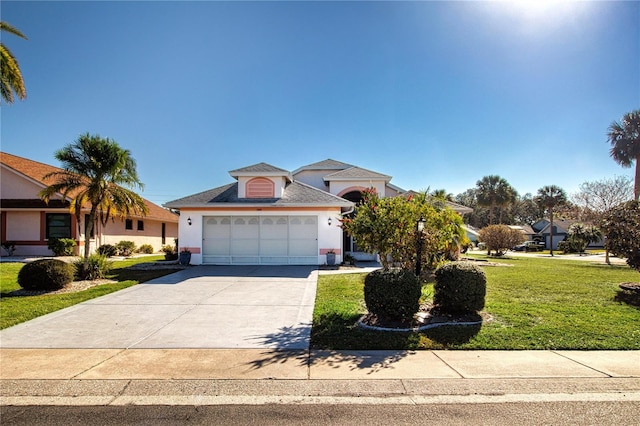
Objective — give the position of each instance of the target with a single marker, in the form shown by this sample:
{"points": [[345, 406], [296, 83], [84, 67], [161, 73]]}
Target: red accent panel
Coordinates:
{"points": [[193, 250], [325, 251]]}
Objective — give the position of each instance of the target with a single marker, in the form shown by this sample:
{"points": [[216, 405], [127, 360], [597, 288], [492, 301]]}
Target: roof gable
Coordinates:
{"points": [[328, 164], [260, 169], [357, 173], [295, 194]]}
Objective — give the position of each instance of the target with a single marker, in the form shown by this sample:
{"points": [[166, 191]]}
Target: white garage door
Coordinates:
{"points": [[257, 240]]}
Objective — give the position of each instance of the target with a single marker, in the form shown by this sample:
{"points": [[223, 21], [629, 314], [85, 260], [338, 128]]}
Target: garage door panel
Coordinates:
{"points": [[245, 247], [274, 247], [260, 239]]}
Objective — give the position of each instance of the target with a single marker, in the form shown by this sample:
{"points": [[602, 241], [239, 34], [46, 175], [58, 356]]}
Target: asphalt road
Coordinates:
{"points": [[540, 413]]}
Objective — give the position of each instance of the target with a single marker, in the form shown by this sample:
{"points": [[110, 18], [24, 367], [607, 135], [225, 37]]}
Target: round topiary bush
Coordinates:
{"points": [[392, 293], [460, 287], [45, 274]]}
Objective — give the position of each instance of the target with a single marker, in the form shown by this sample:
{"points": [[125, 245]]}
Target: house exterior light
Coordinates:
{"points": [[420, 228]]}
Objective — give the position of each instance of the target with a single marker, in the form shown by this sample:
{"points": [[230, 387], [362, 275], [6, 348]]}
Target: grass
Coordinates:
{"points": [[535, 304], [14, 310]]}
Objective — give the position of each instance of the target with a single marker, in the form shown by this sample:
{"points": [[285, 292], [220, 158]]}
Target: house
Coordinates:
{"points": [[560, 231], [272, 216], [527, 231], [28, 222]]}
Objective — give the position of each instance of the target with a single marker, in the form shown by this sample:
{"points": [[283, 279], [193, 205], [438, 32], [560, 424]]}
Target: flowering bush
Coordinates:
{"points": [[387, 226]]}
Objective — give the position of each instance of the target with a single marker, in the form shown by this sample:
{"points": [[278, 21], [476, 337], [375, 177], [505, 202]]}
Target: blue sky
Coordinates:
{"points": [[435, 94]]}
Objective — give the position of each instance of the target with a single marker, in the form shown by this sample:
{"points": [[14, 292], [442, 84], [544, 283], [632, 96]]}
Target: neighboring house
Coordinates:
{"points": [[272, 216], [527, 231], [560, 231], [29, 222], [473, 234]]}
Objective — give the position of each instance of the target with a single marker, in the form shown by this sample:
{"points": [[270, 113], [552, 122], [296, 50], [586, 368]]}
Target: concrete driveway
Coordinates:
{"points": [[199, 307]]}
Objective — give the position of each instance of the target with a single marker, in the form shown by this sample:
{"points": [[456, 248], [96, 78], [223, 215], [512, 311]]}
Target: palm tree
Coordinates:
{"points": [[10, 75], [624, 137], [549, 197], [442, 194], [96, 172], [494, 191]]}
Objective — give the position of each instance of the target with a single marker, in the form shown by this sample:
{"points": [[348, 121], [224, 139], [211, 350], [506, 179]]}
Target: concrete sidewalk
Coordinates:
{"points": [[254, 376]]}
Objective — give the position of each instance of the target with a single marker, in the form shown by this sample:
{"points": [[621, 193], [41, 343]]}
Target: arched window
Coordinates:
{"points": [[260, 188]]}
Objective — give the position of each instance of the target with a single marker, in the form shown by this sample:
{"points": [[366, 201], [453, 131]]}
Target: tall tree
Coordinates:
{"points": [[494, 191], [549, 197], [624, 137], [10, 76], [597, 198], [99, 175]]}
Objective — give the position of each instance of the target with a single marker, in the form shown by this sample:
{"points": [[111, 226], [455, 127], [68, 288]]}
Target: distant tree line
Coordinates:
{"points": [[495, 201]]}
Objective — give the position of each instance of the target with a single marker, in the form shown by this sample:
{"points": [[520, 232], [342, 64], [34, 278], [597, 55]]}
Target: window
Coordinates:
{"points": [[140, 225], [128, 224], [58, 225]]}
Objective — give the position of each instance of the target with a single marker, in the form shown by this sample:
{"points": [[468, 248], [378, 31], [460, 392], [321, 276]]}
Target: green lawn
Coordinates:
{"points": [[14, 310], [535, 304]]}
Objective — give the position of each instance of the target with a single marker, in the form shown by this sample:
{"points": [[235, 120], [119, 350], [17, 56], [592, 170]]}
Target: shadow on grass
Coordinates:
{"points": [[336, 340], [453, 335], [628, 297]]}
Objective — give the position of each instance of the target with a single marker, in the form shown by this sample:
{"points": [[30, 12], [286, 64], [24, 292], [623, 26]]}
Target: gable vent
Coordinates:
{"points": [[260, 188]]}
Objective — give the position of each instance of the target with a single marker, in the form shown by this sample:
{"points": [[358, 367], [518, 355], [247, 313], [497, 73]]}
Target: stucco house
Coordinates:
{"points": [[28, 222], [272, 216]]}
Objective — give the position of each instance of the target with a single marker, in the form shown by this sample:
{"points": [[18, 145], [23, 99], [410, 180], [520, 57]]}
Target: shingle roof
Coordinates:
{"points": [[327, 164], [295, 194], [259, 168], [36, 171], [356, 173]]}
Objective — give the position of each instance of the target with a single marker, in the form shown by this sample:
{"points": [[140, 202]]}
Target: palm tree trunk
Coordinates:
{"points": [[551, 232], [636, 188]]}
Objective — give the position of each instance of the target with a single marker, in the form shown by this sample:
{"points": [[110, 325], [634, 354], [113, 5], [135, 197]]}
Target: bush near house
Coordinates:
{"points": [[45, 274], [97, 267], [392, 293], [61, 246], [125, 248], [107, 250], [9, 246], [146, 249], [388, 226], [460, 287], [500, 238]]}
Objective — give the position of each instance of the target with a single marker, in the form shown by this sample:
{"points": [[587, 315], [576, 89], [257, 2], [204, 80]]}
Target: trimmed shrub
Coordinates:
{"points": [[98, 267], [45, 274], [460, 287], [107, 250], [125, 248], [392, 293], [61, 246], [146, 249]]}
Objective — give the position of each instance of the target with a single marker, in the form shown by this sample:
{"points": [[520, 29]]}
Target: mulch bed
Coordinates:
{"points": [[428, 316], [72, 287]]}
